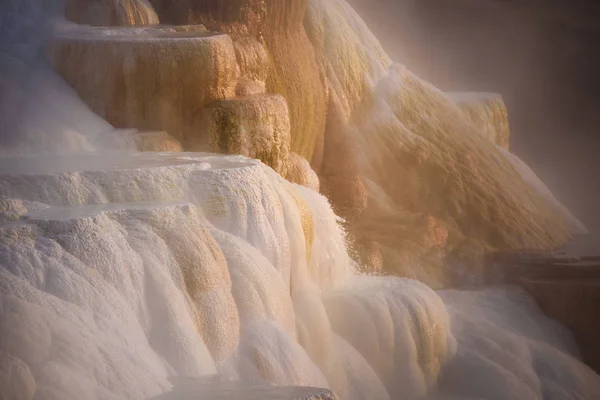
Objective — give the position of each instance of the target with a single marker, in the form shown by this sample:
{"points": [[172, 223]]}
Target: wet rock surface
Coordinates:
{"points": [[141, 267], [388, 168], [255, 126], [122, 74], [542, 56], [115, 226], [434, 190]]}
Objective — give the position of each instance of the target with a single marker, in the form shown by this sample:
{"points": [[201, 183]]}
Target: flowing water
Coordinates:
{"points": [[120, 271]]}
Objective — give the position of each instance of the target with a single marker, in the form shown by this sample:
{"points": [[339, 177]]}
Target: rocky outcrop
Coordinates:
{"points": [[256, 126], [417, 175], [459, 179], [150, 79], [489, 114], [111, 12], [296, 72]]}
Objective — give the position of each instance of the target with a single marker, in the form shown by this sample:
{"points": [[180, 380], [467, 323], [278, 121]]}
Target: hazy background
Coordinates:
{"points": [[543, 56]]}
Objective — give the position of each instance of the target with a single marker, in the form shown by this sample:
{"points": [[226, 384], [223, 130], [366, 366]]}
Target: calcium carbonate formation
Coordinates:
{"points": [[138, 284], [122, 273]]}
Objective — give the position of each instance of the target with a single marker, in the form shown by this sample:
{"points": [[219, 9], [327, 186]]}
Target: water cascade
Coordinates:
{"points": [[231, 280], [452, 194], [122, 272]]}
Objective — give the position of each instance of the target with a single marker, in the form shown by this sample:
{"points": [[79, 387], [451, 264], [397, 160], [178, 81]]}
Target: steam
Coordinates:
{"points": [[39, 112], [508, 350], [122, 270]]}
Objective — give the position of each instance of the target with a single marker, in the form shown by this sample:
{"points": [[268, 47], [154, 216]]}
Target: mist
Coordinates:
{"points": [[543, 57], [127, 274]]}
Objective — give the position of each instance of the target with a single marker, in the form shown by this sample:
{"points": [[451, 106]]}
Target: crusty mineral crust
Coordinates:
{"points": [[256, 126], [148, 79], [296, 71]]}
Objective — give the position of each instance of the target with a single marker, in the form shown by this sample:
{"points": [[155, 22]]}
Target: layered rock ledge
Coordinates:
{"points": [[423, 179], [211, 262], [98, 178], [153, 78], [296, 70]]}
